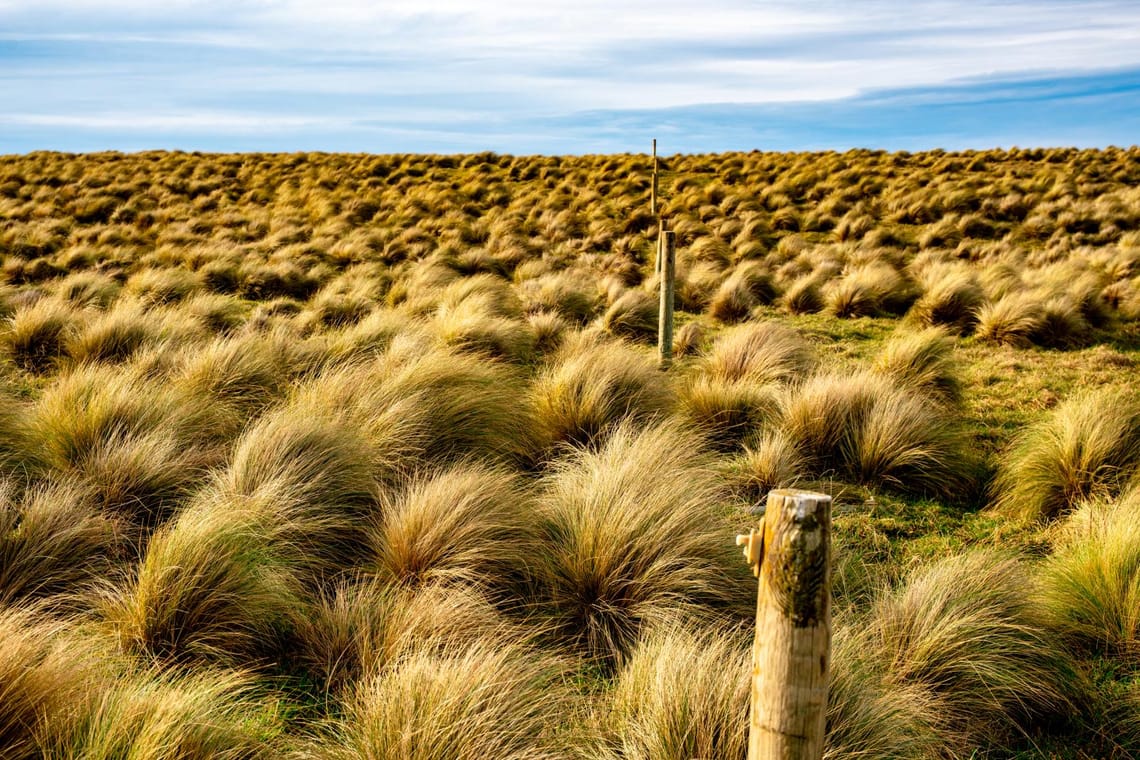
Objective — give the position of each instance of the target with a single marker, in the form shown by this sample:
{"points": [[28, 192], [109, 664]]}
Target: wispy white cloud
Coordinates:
{"points": [[174, 122]]}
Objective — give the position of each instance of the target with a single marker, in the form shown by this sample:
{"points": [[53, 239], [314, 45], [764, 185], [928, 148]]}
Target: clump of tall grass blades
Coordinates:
{"points": [[681, 694], [486, 700], [761, 352], [137, 445], [633, 315], [206, 715], [312, 476], [1012, 320], [967, 630], [1091, 585], [868, 718], [46, 673], [360, 626], [867, 428], [52, 541], [726, 411], [590, 386], [212, 587], [766, 462], [35, 336], [1088, 446], [923, 361], [467, 524], [633, 531], [419, 406], [951, 297]]}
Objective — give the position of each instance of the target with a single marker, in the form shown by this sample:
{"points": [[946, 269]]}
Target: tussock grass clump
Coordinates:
{"points": [[866, 428], [482, 293], [727, 411], [137, 446], [592, 385], [633, 531], [923, 361], [905, 444], [85, 288], [951, 297], [314, 476], [549, 330], [1088, 446], [1062, 325], [206, 715], [468, 524], [362, 626], [248, 373], [1012, 320], [419, 406], [468, 329], [217, 313], [684, 694], [17, 457], [52, 541], [481, 701], [45, 675], [117, 335], [463, 407], [867, 718], [681, 694], [761, 352], [767, 462], [690, 338], [749, 285], [35, 335], [212, 587], [221, 275], [696, 282], [163, 286], [571, 294], [1091, 585], [633, 315], [367, 339], [340, 305], [803, 296], [967, 629], [868, 290]]}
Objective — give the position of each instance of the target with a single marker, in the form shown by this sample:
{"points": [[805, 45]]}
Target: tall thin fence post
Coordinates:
{"points": [[660, 247], [665, 315], [791, 652], [653, 192]]}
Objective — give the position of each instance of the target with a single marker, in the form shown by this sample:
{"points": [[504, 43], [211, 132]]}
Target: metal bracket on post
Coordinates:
{"points": [[753, 543]]}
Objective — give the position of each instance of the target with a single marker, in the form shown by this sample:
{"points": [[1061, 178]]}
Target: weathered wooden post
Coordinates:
{"points": [[791, 652], [653, 210], [660, 247], [665, 314], [653, 192]]}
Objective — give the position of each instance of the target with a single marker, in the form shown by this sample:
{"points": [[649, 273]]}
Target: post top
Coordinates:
{"points": [[798, 493]]}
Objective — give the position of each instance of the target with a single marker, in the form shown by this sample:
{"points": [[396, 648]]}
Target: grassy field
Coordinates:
{"points": [[336, 456]]}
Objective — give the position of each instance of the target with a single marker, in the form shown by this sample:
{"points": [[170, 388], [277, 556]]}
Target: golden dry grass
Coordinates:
{"points": [[362, 427]]}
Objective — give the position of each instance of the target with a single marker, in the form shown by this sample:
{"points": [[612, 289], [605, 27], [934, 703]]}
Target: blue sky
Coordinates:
{"points": [[566, 76]]}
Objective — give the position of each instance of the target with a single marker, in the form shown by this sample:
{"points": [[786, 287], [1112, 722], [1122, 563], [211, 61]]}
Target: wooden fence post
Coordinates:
{"points": [[665, 315], [791, 652], [653, 193], [660, 248]]}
